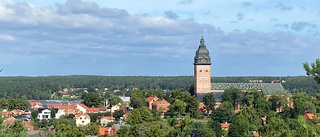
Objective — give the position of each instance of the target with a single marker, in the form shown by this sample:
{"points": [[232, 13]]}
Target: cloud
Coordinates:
{"points": [[298, 26], [285, 26], [6, 37], [246, 4], [283, 7], [170, 14], [240, 16], [256, 42], [185, 2], [73, 29]]}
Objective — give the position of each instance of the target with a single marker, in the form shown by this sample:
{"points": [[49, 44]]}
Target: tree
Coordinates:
{"points": [[276, 127], [123, 131], [206, 132], [306, 129], [278, 102], [4, 103], [113, 100], [155, 131], [240, 126], [177, 108], [313, 70], [53, 113], [216, 126], [302, 103], [139, 116], [224, 113], [137, 99], [34, 114], [93, 129], [232, 95], [251, 115], [209, 101], [92, 100]]}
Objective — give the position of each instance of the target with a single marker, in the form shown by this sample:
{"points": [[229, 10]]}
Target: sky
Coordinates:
{"points": [[157, 37]]}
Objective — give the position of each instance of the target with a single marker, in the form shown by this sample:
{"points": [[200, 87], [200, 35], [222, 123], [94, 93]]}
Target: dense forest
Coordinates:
{"points": [[40, 88]]}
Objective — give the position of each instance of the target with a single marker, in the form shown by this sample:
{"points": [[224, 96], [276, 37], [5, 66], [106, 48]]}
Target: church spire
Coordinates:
{"points": [[202, 40]]}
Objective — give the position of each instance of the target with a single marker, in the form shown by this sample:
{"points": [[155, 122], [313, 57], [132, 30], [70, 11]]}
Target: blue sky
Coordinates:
{"points": [[158, 38]]}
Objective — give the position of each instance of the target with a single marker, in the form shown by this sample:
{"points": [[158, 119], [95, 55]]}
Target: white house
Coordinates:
{"points": [[82, 119], [45, 113]]}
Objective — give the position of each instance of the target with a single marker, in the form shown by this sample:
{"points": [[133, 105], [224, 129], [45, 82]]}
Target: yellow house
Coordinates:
{"points": [[105, 120], [82, 119]]}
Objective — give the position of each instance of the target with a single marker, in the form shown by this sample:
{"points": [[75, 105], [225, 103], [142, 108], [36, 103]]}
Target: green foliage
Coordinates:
{"points": [[92, 100], [209, 101], [91, 129], [118, 114], [63, 129], [313, 70], [276, 127], [53, 113], [231, 95], [34, 114], [177, 108], [306, 129], [155, 131], [4, 104], [302, 103], [278, 101], [122, 132], [93, 117], [224, 113], [206, 132], [216, 126], [139, 116], [240, 126], [113, 100], [251, 115]]}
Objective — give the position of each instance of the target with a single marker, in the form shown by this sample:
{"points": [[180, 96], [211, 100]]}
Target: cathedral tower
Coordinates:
{"points": [[202, 71]]}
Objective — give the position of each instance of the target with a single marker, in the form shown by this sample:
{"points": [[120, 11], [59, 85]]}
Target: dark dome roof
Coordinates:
{"points": [[201, 53]]}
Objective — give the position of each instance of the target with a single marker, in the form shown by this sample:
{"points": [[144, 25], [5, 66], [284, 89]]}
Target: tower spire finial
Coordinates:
{"points": [[202, 40]]}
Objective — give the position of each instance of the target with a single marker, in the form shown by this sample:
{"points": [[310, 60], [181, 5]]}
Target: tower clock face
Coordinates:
{"points": [[203, 60]]}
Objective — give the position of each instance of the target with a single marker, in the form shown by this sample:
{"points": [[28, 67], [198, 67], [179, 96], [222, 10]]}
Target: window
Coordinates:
{"points": [[82, 121], [206, 70], [80, 117], [200, 70]]}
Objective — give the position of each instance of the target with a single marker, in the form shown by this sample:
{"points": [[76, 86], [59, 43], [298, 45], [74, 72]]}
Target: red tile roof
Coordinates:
{"points": [[108, 117], [255, 134], [93, 109], [80, 114], [308, 116], [151, 98], [225, 125]]}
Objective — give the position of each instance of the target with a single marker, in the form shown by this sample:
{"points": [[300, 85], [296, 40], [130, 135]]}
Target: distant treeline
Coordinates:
{"points": [[40, 88]]}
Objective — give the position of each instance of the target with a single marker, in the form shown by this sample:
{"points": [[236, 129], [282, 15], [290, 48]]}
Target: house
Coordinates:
{"points": [[161, 104], [308, 116], [36, 104], [28, 126], [225, 126], [92, 110], [114, 108], [8, 120], [155, 103], [82, 119], [126, 100], [150, 100], [255, 134], [105, 120], [109, 131], [82, 107], [263, 120], [45, 113]]}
